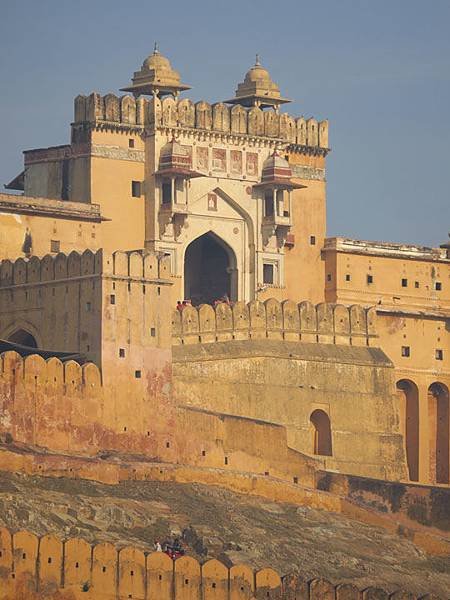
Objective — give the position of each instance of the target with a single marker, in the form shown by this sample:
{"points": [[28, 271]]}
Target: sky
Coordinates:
{"points": [[378, 70]]}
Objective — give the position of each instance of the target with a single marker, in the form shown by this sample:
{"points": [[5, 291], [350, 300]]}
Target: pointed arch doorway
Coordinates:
{"points": [[209, 270]]}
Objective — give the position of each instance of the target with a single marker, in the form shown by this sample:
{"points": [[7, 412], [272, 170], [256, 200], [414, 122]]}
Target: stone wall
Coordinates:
{"points": [[33, 568], [324, 323], [65, 408], [285, 381], [127, 112]]}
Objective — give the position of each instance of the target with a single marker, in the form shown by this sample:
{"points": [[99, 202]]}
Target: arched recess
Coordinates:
{"points": [[439, 428], [251, 266], [321, 433], [210, 270], [22, 333], [408, 395]]}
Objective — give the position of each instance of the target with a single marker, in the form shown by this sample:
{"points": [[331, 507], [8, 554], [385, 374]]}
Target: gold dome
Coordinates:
{"points": [[258, 89], [156, 76]]}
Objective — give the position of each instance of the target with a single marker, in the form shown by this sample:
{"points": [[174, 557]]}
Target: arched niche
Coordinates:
{"points": [[408, 395], [321, 433], [439, 428]]}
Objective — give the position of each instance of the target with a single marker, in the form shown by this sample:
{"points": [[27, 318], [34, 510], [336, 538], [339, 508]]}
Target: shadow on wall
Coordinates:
{"points": [[33, 568]]}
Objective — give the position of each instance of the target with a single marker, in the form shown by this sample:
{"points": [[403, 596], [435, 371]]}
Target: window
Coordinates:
{"points": [[137, 374], [131, 143], [88, 306], [152, 331], [312, 240], [438, 286], [212, 201], [369, 279], [416, 284], [121, 352], [268, 204], [439, 354], [347, 277], [329, 277], [112, 299], [55, 245], [406, 351], [268, 273], [404, 282], [136, 189], [166, 192]]}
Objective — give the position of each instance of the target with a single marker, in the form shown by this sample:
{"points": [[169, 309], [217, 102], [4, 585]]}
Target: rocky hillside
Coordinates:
{"points": [[221, 524]]}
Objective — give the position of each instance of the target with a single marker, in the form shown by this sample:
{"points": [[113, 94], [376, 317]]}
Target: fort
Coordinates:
{"points": [[302, 368]]}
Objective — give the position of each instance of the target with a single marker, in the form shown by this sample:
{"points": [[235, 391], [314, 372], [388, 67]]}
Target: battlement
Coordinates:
{"points": [[58, 375], [73, 568], [324, 323], [140, 264], [131, 113]]}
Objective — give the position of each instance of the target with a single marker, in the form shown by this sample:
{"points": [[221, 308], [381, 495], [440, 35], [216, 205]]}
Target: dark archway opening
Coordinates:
{"points": [[321, 425], [209, 270], [439, 427], [23, 338], [409, 417]]}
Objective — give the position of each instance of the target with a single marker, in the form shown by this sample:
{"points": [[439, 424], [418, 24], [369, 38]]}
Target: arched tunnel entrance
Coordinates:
{"points": [[23, 338], [209, 270]]}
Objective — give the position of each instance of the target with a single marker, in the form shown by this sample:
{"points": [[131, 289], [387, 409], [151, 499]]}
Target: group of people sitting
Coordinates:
{"points": [[172, 548], [181, 305]]}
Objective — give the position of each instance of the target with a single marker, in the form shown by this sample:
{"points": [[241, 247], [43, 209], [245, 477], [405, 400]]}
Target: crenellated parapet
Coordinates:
{"points": [[40, 270], [73, 568], [112, 111], [324, 323]]}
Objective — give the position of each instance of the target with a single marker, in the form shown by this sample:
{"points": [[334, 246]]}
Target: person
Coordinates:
{"points": [[179, 305], [157, 546]]}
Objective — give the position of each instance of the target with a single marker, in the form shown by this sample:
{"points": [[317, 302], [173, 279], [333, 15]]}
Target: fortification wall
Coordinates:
{"points": [[128, 112], [257, 368], [32, 568], [324, 323], [65, 408]]}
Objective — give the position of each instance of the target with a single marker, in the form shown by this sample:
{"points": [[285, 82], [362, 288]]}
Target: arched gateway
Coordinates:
{"points": [[209, 270]]}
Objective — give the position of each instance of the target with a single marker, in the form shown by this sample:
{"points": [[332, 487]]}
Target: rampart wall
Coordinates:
{"points": [[129, 112], [32, 568], [65, 408], [325, 323]]}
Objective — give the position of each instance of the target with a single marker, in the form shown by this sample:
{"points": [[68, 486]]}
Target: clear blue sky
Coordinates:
{"points": [[378, 70]]}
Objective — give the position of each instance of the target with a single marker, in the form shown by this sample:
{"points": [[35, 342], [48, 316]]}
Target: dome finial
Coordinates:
{"points": [[156, 48], [257, 63]]}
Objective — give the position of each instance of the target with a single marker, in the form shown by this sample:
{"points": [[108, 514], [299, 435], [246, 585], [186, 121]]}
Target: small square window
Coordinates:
{"points": [[404, 282], [348, 277], [121, 352], [312, 240], [439, 354], [406, 351], [55, 245], [137, 374], [268, 273], [153, 331], [112, 299], [88, 306], [136, 189], [369, 279], [416, 284], [438, 286], [131, 143], [329, 277]]}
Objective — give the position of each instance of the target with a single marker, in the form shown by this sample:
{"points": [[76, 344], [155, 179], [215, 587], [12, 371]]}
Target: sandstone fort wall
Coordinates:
{"points": [[48, 567], [129, 112], [325, 323]]}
